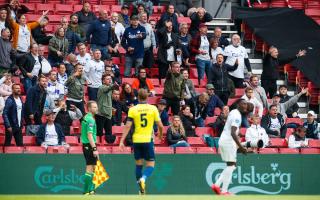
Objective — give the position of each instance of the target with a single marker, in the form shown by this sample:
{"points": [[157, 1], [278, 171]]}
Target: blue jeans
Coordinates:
{"points": [[103, 49], [137, 62], [92, 93], [200, 122], [54, 60], [181, 144], [28, 83], [203, 66]]}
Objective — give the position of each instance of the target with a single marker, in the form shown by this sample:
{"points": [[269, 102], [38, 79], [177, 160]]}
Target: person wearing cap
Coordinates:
{"points": [[200, 48], [197, 18], [311, 126], [214, 101], [218, 76], [164, 116], [284, 97], [85, 16], [283, 107], [50, 133], [143, 82], [124, 16], [132, 41], [274, 123]]}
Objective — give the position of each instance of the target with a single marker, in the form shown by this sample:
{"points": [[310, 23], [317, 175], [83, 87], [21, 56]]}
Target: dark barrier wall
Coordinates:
{"points": [[174, 174]]}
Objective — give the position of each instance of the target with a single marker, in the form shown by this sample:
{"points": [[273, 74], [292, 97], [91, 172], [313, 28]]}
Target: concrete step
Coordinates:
{"points": [[224, 32], [221, 24], [255, 61]]}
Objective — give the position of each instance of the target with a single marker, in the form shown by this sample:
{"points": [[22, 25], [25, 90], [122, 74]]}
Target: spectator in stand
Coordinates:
{"points": [[15, 9], [2, 104], [132, 41], [85, 16], [202, 104], [62, 76], [222, 41], [176, 136], [190, 92], [112, 70], [99, 34], [124, 18], [70, 63], [35, 100], [199, 17], [233, 52], [255, 132], [274, 123], [72, 37], [75, 27], [147, 4], [4, 23], [143, 82], [6, 87], [149, 43], [185, 39], [153, 24], [50, 133], [218, 125], [200, 47], [13, 114], [270, 73], [283, 93], [258, 91], [117, 108], [182, 6], [218, 76], [298, 139], [128, 95], [214, 100], [83, 57], [283, 107], [117, 26], [311, 126], [249, 97], [55, 89], [188, 122], [65, 117], [7, 53], [215, 50], [39, 33], [58, 47], [31, 67], [168, 45], [169, 15], [164, 116], [104, 116], [174, 88], [45, 65], [93, 74], [75, 85]]}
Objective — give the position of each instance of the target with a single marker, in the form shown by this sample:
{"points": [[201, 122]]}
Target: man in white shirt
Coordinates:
{"points": [[93, 74], [117, 26], [45, 65], [55, 89], [62, 76], [255, 132], [215, 49], [298, 138], [258, 91], [228, 145], [249, 97], [233, 52], [83, 58]]}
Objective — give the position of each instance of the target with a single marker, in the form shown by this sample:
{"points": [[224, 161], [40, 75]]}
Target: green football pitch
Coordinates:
{"points": [[159, 197]]}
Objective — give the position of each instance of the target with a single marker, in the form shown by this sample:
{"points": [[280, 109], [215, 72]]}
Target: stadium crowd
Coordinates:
{"points": [[80, 66]]}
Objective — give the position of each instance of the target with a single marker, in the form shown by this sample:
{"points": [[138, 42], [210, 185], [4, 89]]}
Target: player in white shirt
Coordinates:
{"points": [[228, 145], [233, 52], [93, 74], [83, 58]]}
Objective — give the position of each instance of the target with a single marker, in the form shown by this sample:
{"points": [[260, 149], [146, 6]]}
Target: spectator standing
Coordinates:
{"points": [[4, 23], [283, 93], [214, 100], [117, 26], [124, 18], [222, 41], [164, 116], [13, 114], [148, 5], [58, 47], [85, 16], [83, 57], [202, 102], [45, 65], [185, 39], [35, 100], [62, 75], [274, 123], [75, 85], [218, 125], [99, 34], [255, 132], [72, 37], [270, 73], [6, 87], [176, 134], [188, 122], [132, 41], [55, 89], [168, 45], [15, 8], [311, 126], [182, 6], [233, 52], [113, 70], [215, 50], [218, 76], [200, 47], [174, 88], [7, 53], [190, 92], [70, 63], [169, 15], [258, 91], [75, 27], [38, 33], [93, 74], [117, 108], [143, 82], [249, 97], [298, 138], [197, 18], [128, 95]]}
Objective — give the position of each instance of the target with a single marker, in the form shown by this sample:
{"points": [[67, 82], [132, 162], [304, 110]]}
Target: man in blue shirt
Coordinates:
{"points": [[132, 41], [99, 34]]}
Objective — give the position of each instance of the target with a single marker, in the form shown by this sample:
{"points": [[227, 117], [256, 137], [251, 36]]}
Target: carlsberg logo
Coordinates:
{"points": [[56, 180], [252, 180]]}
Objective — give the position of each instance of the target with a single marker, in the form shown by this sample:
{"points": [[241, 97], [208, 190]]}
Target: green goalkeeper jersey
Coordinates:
{"points": [[88, 125]]}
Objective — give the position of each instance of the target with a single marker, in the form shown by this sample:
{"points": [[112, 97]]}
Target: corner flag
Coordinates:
{"points": [[100, 175]]}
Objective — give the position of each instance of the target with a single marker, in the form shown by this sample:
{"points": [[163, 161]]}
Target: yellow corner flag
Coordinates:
{"points": [[100, 175]]}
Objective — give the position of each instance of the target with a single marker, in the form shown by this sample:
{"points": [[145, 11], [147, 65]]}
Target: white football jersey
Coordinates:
{"points": [[233, 53], [234, 119]]}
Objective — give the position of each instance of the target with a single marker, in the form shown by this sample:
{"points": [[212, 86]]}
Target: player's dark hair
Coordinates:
{"points": [[273, 105]]}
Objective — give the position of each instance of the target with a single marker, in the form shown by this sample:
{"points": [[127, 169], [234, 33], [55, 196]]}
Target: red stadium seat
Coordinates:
{"points": [[117, 130], [288, 151], [153, 100], [75, 150], [116, 150], [44, 7], [35, 150], [154, 73], [185, 150], [196, 142], [314, 143], [184, 20], [289, 132], [62, 9], [12, 149], [290, 73], [29, 140], [159, 91], [128, 80], [104, 150], [72, 140], [163, 150], [231, 101], [116, 8], [278, 142], [55, 19], [210, 120], [314, 93], [76, 126], [2, 139], [159, 9], [302, 80], [217, 112], [310, 151], [294, 120], [57, 149], [204, 130], [206, 150], [159, 142], [97, 8], [243, 131], [268, 151], [155, 81], [77, 8], [31, 7], [200, 90], [239, 92]]}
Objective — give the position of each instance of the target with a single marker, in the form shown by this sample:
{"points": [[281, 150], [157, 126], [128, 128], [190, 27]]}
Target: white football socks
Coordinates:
{"points": [[227, 177]]}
